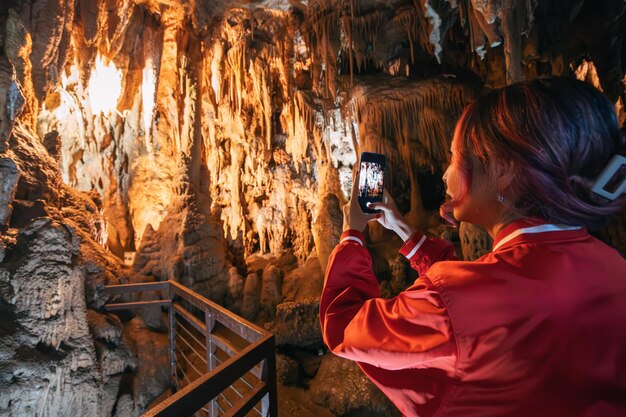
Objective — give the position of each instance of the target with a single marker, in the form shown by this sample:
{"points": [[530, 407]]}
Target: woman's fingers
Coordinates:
{"points": [[388, 199], [371, 217], [376, 206], [380, 206], [353, 217], [355, 185]]}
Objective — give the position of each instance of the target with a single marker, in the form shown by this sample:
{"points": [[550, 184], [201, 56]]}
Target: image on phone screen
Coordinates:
{"points": [[371, 180]]}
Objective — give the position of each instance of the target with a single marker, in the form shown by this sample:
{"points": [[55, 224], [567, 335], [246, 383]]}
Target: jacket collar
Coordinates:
{"points": [[523, 229]]}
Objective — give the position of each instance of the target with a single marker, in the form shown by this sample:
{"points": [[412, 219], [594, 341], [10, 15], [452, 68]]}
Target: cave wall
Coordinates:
{"points": [[62, 354], [223, 160], [264, 109]]}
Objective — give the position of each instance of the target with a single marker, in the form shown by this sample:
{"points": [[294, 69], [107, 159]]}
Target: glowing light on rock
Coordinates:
{"points": [[105, 87], [148, 89], [587, 72], [72, 78], [340, 143]]}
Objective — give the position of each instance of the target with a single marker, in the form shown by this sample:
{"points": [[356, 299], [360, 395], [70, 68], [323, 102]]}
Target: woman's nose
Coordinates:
{"points": [[445, 175]]}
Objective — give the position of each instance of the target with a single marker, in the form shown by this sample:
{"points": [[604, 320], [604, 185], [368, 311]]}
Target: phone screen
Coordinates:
{"points": [[371, 180]]}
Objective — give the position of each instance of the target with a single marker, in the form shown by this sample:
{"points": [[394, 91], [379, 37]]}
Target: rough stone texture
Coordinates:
{"points": [[39, 175], [7, 241], [114, 355], [59, 357], [251, 296], [26, 211], [327, 229], [355, 395], [271, 289], [49, 361], [188, 248], [8, 184], [235, 132], [400, 273], [37, 296], [39, 186], [296, 402], [276, 278], [615, 233], [234, 297], [100, 269], [287, 370], [152, 375], [105, 327], [309, 361], [297, 323], [152, 316], [475, 241], [11, 100], [304, 282]]}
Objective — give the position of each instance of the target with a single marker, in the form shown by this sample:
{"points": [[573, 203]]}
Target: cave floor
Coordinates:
{"points": [[296, 402]]}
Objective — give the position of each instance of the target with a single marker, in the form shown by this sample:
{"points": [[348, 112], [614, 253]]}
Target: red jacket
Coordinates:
{"points": [[535, 328]]}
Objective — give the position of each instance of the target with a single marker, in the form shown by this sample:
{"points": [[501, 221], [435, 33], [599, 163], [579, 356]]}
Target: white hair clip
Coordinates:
{"points": [[607, 174]]}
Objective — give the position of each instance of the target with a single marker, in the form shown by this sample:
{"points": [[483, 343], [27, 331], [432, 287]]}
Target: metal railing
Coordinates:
{"points": [[220, 364]]}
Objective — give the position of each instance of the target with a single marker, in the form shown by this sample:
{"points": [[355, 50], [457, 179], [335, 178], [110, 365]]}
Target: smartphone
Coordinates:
{"points": [[371, 179]]}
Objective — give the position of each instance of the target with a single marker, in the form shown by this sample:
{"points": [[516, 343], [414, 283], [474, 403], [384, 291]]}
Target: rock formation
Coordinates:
{"points": [[214, 143], [356, 395], [62, 354]]}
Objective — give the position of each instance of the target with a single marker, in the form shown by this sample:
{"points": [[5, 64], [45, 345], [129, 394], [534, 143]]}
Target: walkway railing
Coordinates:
{"points": [[220, 364]]}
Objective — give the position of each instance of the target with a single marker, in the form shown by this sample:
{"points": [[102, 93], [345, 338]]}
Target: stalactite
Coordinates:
{"points": [[423, 26], [417, 115], [236, 60], [406, 20], [118, 22], [251, 142], [323, 18], [368, 26], [308, 109]]}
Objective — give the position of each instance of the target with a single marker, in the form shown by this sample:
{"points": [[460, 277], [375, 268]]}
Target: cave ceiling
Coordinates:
{"points": [[213, 142], [259, 108]]}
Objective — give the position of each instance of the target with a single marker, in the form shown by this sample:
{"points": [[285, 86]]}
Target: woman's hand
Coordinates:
{"points": [[353, 217], [391, 218]]}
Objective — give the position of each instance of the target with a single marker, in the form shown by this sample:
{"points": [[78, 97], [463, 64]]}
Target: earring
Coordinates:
{"points": [[500, 198]]}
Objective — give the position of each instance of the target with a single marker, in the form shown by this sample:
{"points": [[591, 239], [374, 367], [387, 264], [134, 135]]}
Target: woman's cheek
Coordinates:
{"points": [[452, 183]]}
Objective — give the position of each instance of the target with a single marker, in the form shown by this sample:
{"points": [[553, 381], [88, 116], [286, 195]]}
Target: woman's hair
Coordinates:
{"points": [[559, 133]]}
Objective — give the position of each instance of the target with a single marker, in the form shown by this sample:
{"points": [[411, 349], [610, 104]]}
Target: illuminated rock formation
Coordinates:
{"points": [[213, 143]]}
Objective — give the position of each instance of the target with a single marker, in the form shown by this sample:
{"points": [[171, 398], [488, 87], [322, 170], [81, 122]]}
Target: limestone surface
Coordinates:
{"points": [[355, 395], [214, 143]]}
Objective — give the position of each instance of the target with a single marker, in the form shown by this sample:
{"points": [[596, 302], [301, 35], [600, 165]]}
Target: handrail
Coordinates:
{"points": [[137, 287], [242, 327], [256, 359], [210, 384]]}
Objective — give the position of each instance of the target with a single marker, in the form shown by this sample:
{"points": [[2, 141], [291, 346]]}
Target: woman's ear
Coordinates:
{"points": [[504, 173]]}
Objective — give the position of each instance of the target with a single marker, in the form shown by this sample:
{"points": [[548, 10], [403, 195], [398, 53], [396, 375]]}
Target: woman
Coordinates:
{"points": [[536, 327]]}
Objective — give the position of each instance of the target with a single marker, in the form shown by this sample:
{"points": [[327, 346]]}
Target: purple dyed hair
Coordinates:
{"points": [[559, 133]]}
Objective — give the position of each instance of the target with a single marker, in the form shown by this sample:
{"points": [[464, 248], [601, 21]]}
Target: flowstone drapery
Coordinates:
{"points": [[214, 143]]}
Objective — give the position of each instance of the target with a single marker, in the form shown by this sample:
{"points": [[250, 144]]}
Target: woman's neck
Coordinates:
{"points": [[502, 221]]}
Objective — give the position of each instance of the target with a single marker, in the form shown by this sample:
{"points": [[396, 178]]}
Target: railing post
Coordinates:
{"points": [[172, 320], [209, 321], [206, 388], [269, 403]]}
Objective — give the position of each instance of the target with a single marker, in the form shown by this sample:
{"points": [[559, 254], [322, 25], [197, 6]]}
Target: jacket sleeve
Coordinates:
{"points": [[411, 330], [422, 251]]}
